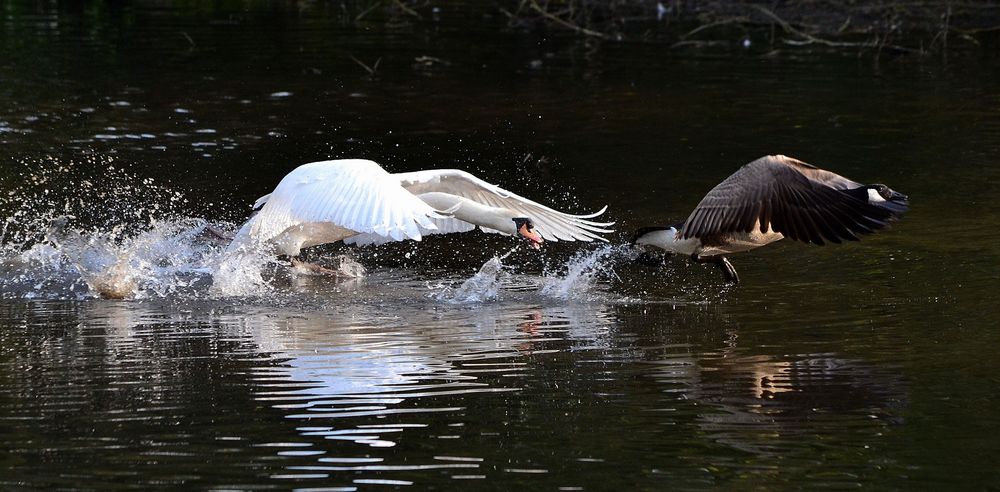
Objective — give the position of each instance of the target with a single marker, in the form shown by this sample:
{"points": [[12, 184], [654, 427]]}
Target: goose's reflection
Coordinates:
{"points": [[764, 403]]}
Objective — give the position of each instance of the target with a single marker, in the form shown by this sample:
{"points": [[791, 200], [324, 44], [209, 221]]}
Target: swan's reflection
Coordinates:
{"points": [[359, 364]]}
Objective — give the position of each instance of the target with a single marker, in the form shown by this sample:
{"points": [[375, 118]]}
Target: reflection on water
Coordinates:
{"points": [[352, 395], [773, 408]]}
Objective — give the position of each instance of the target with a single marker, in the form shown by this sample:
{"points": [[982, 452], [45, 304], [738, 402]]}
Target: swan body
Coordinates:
{"points": [[358, 202], [772, 198]]}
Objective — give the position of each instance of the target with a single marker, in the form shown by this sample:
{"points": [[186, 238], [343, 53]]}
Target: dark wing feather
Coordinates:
{"points": [[801, 201]]}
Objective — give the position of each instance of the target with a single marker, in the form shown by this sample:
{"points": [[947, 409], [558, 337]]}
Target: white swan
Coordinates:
{"points": [[358, 202]]}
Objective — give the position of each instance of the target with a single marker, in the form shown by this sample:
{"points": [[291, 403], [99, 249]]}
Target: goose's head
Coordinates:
{"points": [[526, 229], [881, 193]]}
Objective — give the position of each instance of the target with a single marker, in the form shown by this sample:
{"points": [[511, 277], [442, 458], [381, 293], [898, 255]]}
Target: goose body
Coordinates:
{"points": [[358, 202], [772, 198]]}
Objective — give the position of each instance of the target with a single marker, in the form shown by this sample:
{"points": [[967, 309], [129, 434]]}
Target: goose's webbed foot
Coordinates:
{"points": [[728, 270]]}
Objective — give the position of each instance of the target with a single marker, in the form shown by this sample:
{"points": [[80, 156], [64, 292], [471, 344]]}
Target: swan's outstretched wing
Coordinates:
{"points": [[551, 224], [444, 226], [355, 195], [800, 201]]}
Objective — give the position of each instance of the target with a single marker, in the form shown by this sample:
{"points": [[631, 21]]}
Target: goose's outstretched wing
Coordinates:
{"points": [[356, 195], [799, 200], [553, 225]]}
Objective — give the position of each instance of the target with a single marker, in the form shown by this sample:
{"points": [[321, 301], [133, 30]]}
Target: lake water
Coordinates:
{"points": [[124, 129]]}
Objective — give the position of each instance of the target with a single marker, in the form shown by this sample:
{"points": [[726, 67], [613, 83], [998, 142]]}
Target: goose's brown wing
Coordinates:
{"points": [[799, 200]]}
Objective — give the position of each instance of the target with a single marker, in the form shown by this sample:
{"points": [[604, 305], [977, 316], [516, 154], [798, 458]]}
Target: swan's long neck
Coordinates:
{"points": [[464, 209]]}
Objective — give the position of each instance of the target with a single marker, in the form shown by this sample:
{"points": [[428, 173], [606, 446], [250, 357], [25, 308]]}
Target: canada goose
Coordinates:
{"points": [[772, 198], [358, 202]]}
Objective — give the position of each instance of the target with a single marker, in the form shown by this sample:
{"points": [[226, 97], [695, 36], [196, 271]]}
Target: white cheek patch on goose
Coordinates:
{"points": [[874, 197]]}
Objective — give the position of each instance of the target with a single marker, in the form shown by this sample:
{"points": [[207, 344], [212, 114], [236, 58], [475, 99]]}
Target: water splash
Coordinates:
{"points": [[577, 279], [241, 273], [484, 286], [481, 287], [582, 273], [163, 260], [66, 238], [90, 194]]}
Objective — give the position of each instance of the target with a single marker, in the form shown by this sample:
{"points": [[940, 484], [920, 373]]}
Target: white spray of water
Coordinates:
{"points": [[240, 273], [583, 271], [165, 259], [63, 237], [66, 238], [579, 281], [247, 271], [484, 286], [481, 287]]}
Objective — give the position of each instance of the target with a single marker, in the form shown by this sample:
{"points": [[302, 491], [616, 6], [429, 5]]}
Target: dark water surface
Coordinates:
{"points": [[871, 364]]}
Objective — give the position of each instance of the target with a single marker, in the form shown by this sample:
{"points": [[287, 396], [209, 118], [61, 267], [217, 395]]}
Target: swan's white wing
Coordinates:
{"points": [[444, 226], [551, 224], [356, 195]]}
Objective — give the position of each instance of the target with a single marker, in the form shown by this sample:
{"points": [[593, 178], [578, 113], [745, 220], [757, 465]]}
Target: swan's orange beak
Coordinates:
{"points": [[531, 235]]}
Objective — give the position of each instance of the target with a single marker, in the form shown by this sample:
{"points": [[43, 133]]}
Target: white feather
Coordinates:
{"points": [[667, 239], [874, 197], [444, 226]]}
